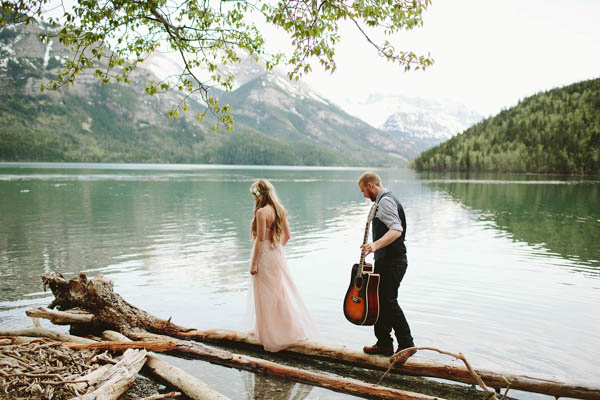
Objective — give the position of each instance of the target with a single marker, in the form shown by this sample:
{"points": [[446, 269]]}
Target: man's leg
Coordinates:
{"points": [[397, 318], [383, 326]]}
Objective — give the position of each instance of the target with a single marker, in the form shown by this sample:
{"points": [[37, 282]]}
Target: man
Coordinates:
{"points": [[389, 232]]}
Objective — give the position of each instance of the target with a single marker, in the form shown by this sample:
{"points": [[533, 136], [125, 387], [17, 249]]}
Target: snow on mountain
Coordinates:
{"points": [[168, 65], [296, 90], [422, 122], [273, 115], [165, 66], [7, 51], [292, 110], [19, 43]]}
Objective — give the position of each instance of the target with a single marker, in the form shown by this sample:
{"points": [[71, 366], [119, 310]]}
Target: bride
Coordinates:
{"points": [[280, 318]]}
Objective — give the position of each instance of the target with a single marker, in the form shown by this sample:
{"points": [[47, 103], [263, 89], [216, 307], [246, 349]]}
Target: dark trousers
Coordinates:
{"points": [[391, 316]]}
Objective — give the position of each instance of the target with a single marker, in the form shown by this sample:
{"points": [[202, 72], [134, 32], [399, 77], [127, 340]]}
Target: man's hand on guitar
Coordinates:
{"points": [[369, 248]]}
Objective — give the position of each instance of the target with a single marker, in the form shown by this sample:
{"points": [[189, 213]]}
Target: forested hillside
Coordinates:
{"points": [[557, 131]]}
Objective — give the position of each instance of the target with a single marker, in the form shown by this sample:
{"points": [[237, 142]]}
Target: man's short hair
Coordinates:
{"points": [[369, 177]]}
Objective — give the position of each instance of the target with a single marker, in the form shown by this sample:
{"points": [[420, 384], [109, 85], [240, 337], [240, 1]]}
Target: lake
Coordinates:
{"points": [[502, 268]]}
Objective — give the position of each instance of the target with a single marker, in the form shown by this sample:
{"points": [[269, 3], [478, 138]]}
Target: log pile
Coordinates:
{"points": [[107, 381], [46, 369], [91, 307]]}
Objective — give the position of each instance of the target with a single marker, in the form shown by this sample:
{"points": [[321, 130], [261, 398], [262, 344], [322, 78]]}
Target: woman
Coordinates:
{"points": [[280, 316]]}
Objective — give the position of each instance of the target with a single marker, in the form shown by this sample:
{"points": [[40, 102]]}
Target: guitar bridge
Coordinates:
{"points": [[354, 299]]}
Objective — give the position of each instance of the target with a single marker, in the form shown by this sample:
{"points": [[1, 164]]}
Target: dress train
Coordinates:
{"points": [[278, 316]]}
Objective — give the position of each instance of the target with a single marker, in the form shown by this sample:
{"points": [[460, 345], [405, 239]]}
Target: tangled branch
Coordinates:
{"points": [[490, 393]]}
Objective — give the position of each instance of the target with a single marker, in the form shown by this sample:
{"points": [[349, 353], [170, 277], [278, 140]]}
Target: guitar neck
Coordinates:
{"points": [[365, 238], [362, 253]]}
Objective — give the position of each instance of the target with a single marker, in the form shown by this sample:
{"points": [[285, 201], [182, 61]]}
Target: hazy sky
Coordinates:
{"points": [[488, 54]]}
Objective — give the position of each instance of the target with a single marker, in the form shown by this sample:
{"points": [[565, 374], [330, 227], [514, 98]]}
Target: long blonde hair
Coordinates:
{"points": [[264, 194]]}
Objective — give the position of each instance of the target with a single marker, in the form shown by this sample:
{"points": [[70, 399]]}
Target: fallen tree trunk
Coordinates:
{"points": [[417, 366], [338, 384], [111, 312], [158, 346], [188, 384]]}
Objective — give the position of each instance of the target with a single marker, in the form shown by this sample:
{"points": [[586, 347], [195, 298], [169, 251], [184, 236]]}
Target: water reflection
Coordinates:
{"points": [[490, 262], [260, 387], [192, 222], [563, 218]]}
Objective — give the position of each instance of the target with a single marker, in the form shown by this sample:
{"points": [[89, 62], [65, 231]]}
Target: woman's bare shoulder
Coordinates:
{"points": [[265, 211]]}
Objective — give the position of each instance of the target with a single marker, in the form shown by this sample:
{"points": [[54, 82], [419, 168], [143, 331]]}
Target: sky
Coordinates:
{"points": [[489, 54]]}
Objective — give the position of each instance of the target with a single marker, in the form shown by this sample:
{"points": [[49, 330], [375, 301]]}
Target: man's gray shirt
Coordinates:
{"points": [[387, 212]]}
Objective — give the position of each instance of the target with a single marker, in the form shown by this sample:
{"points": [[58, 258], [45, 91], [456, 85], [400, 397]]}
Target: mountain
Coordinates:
{"points": [[423, 123], [421, 128], [267, 101], [94, 122], [87, 121], [296, 113], [557, 131]]}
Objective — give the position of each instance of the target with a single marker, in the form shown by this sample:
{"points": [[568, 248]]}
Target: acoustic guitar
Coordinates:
{"points": [[361, 304]]}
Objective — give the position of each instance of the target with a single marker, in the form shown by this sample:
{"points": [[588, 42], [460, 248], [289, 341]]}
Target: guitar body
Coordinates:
{"points": [[361, 304]]}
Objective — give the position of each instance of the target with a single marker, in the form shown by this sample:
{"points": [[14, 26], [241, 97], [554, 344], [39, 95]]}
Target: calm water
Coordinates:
{"points": [[505, 269]]}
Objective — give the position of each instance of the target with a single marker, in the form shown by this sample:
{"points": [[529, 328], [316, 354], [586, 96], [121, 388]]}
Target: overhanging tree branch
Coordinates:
{"points": [[207, 34]]}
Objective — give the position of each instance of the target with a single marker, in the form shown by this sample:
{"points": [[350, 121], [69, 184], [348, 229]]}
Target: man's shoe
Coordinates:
{"points": [[377, 349], [402, 355]]}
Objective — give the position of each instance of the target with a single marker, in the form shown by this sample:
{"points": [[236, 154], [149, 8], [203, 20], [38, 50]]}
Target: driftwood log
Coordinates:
{"points": [[158, 346], [188, 384], [118, 378], [338, 384], [109, 311], [41, 332], [162, 396], [416, 366]]}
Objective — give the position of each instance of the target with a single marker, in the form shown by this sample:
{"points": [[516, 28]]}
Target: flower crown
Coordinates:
{"points": [[256, 192]]}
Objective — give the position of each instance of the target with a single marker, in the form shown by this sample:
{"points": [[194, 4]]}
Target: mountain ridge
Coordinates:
{"points": [[421, 122], [89, 121]]}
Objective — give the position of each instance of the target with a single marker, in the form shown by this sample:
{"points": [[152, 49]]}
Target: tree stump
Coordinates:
{"points": [[110, 310]]}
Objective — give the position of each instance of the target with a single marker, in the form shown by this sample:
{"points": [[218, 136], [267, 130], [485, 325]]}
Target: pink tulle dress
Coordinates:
{"points": [[278, 316]]}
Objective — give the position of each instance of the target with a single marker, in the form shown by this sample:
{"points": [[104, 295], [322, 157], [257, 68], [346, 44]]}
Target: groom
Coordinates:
{"points": [[389, 232]]}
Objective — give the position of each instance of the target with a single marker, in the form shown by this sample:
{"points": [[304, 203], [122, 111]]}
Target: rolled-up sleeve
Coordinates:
{"points": [[388, 214]]}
